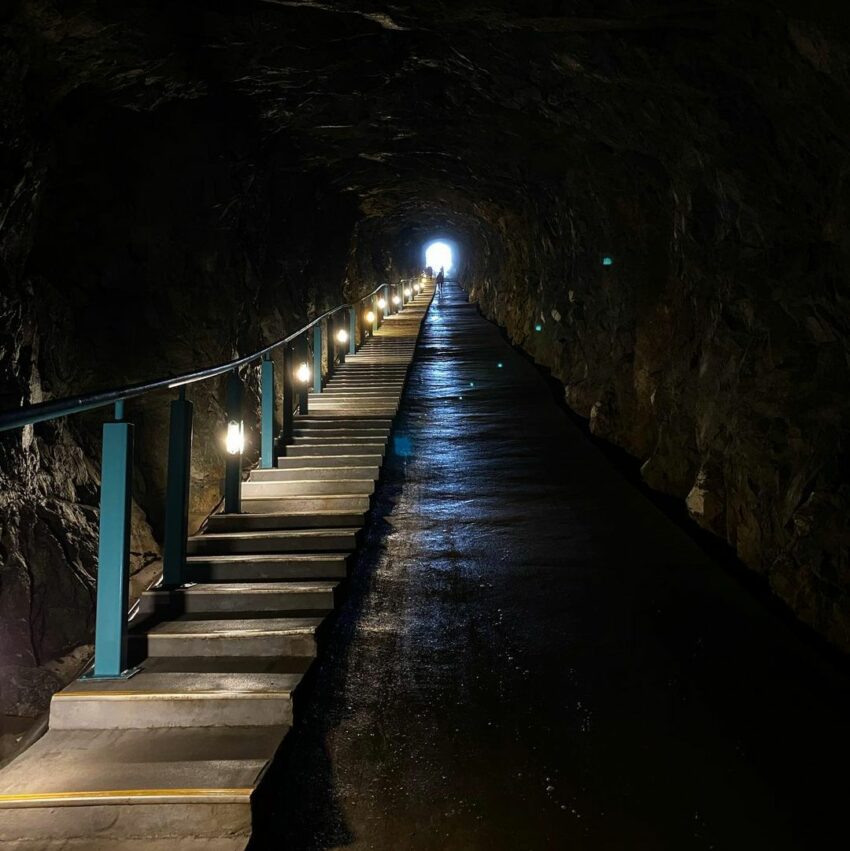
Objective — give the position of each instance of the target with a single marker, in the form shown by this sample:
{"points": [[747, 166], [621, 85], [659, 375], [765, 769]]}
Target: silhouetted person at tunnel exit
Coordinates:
{"points": [[440, 278]]}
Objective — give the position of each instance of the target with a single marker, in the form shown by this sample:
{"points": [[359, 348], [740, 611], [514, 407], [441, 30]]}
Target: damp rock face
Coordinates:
{"points": [[183, 182]]}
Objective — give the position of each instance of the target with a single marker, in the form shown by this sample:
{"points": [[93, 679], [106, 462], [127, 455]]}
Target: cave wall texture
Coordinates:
{"points": [[183, 182]]}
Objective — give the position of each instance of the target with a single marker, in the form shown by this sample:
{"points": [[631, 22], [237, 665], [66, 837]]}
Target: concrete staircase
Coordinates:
{"points": [[171, 757]]}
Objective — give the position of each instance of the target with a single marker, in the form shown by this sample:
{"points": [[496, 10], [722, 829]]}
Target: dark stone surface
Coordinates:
{"points": [[534, 657]]}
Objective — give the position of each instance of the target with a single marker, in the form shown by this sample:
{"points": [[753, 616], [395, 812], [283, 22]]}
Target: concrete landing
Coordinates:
{"points": [[171, 758]]}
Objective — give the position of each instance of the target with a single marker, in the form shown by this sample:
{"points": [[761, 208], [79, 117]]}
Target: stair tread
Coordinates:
{"points": [[116, 765], [224, 627], [182, 685], [258, 587], [272, 533], [269, 557]]}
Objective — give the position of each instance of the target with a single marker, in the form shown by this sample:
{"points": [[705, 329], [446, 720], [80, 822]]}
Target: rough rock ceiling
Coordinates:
{"points": [[429, 110]]}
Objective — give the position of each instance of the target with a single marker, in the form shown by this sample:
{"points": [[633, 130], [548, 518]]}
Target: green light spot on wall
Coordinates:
{"points": [[500, 364], [538, 327], [607, 261]]}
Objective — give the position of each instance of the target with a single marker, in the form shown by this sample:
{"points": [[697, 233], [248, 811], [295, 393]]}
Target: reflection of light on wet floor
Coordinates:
{"points": [[402, 445]]}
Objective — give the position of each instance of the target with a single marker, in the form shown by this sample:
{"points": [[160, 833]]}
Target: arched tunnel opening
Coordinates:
{"points": [[559, 549]]}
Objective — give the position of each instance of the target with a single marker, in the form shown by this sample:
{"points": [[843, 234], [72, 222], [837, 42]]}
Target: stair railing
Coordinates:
{"points": [[333, 334]]}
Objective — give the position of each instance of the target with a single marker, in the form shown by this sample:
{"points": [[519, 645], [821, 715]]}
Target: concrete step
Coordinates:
{"points": [[292, 520], [315, 461], [351, 397], [285, 541], [235, 637], [319, 439], [308, 487], [291, 474], [343, 422], [378, 434], [373, 381], [206, 598], [171, 843], [175, 700], [135, 790], [309, 504], [306, 450], [267, 568], [330, 406]]}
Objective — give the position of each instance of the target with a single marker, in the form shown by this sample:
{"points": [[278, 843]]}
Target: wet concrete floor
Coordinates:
{"points": [[533, 656]]}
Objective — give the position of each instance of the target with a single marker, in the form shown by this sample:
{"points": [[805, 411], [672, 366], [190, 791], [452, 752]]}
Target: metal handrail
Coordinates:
{"points": [[116, 487], [54, 408]]}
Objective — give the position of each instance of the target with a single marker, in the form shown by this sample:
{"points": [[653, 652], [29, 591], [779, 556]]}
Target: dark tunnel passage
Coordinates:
{"points": [[651, 200]]}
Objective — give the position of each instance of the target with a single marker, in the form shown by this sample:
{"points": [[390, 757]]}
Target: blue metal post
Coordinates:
{"points": [[376, 322], [113, 558], [389, 299], [352, 331], [267, 413], [317, 358], [303, 390], [177, 492], [288, 397], [233, 464]]}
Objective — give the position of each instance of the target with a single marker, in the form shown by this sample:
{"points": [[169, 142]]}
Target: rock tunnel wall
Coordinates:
{"points": [[714, 348]]}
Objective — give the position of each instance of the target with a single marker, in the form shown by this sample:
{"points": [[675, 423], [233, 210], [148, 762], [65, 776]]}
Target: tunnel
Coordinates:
{"points": [[595, 590]]}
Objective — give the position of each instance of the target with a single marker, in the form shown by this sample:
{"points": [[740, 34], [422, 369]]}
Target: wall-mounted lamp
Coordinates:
{"points": [[303, 374], [408, 292], [396, 300], [417, 288], [342, 336], [234, 442], [382, 303], [370, 316]]}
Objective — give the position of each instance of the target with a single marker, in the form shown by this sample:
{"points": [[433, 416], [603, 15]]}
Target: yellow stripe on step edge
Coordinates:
{"points": [[125, 793], [169, 695]]}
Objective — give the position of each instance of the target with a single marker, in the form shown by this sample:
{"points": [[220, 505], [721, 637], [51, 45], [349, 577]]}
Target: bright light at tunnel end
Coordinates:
{"points": [[439, 255]]}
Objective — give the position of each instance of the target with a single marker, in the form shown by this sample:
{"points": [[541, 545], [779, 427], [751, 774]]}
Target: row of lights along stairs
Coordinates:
{"points": [[171, 758]]}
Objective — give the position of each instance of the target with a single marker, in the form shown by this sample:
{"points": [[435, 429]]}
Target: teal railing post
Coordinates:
{"points": [[376, 322], [177, 492], [233, 464], [113, 556], [288, 397], [317, 357], [303, 389], [389, 299], [352, 330], [267, 413]]}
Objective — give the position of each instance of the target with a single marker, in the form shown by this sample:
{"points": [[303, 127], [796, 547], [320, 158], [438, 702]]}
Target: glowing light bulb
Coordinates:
{"points": [[234, 442], [370, 316], [303, 373], [408, 293], [417, 288], [342, 336], [538, 327], [607, 261], [382, 303], [396, 300]]}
